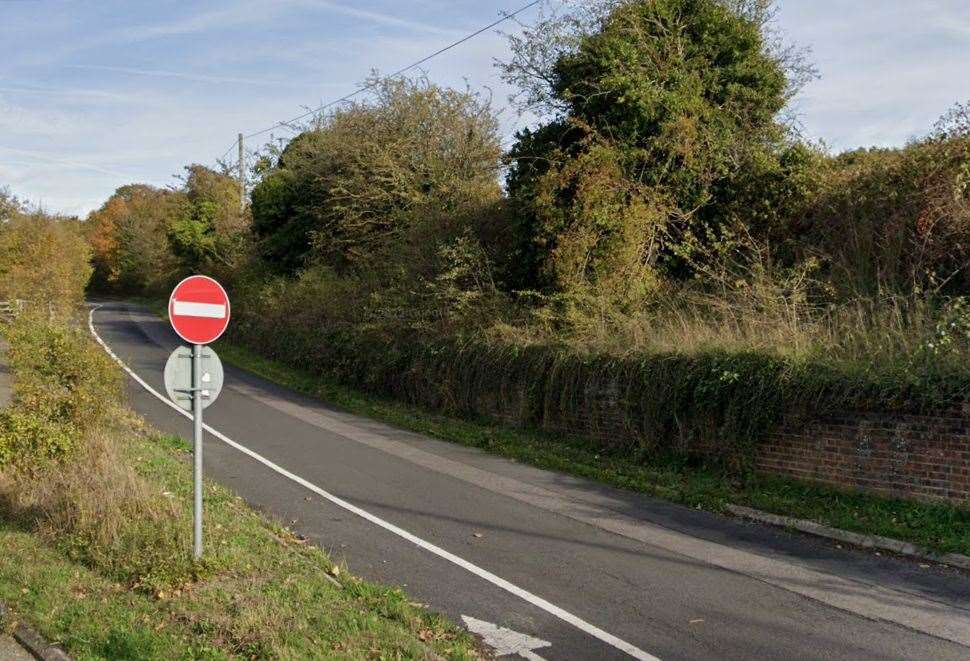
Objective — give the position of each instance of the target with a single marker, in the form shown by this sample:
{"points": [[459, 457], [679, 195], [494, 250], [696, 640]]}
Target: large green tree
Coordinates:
{"points": [[655, 107], [210, 230]]}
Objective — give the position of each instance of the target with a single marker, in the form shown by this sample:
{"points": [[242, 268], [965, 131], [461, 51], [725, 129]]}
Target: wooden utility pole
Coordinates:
{"points": [[242, 177]]}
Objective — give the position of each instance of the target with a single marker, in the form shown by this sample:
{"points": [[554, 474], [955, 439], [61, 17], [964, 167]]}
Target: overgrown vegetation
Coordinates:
{"points": [[95, 508], [664, 233], [44, 260]]}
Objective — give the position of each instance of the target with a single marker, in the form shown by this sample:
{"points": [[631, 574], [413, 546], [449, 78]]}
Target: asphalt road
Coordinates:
{"points": [[595, 572]]}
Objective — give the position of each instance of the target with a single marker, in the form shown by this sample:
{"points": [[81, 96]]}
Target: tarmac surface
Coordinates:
{"points": [[10, 650]]}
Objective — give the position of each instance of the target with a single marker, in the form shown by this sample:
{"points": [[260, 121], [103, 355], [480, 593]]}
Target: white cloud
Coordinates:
{"points": [[75, 94], [17, 121], [65, 162], [381, 18], [202, 78]]}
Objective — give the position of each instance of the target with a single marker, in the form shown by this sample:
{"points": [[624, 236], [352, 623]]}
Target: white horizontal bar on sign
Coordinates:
{"points": [[192, 309]]}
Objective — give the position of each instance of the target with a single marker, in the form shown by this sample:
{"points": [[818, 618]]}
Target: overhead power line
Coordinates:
{"points": [[365, 88]]}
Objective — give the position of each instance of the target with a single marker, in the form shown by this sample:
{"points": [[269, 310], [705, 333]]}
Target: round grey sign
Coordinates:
{"points": [[178, 377]]}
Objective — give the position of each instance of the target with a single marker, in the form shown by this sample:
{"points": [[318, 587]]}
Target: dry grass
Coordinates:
{"points": [[64, 473], [873, 334], [101, 512]]}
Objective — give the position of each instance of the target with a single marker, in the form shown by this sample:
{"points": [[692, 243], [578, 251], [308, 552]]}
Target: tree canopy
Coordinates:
{"points": [[342, 193], [655, 106]]}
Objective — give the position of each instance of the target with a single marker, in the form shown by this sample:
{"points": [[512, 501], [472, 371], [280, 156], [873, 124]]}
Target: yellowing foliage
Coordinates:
{"points": [[44, 260]]}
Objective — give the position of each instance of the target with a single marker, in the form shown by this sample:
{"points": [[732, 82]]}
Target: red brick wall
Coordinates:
{"points": [[925, 457], [908, 456]]}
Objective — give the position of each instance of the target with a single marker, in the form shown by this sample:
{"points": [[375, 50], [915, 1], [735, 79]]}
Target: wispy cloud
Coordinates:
{"points": [[75, 93], [381, 18], [202, 78], [213, 21], [20, 120], [245, 13], [64, 161]]}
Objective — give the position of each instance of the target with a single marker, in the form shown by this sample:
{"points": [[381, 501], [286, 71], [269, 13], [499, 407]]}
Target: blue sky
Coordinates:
{"points": [[95, 95]]}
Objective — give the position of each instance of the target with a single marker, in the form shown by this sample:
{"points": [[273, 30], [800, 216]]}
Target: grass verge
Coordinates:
{"points": [[939, 527], [262, 593]]}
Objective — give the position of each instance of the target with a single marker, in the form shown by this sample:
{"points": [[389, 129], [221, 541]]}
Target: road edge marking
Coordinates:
{"points": [[484, 574]]}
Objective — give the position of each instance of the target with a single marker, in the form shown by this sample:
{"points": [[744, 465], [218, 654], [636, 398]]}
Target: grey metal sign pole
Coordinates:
{"points": [[193, 380], [197, 448]]}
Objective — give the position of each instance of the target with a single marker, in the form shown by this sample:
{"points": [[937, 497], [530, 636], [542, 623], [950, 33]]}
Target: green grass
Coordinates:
{"points": [[940, 527], [266, 593]]}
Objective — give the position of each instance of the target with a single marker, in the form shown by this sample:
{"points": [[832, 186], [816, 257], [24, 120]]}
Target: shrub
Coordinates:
{"points": [[64, 387], [99, 511], [678, 400], [64, 471], [895, 221]]}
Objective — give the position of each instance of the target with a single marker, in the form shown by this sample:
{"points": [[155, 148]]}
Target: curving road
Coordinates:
{"points": [[545, 565]]}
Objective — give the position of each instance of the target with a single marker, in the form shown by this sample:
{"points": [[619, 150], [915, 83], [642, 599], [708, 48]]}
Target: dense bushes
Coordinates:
{"points": [[894, 220], [715, 403], [705, 400], [64, 471], [64, 468], [64, 386]]}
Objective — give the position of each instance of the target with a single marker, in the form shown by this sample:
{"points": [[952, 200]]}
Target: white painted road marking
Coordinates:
{"points": [[194, 309], [504, 641], [484, 574]]}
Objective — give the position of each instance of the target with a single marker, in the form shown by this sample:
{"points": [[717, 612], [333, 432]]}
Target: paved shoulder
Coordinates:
{"points": [[10, 650]]}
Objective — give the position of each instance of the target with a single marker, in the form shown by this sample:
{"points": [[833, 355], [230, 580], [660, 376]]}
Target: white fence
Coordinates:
{"points": [[10, 309]]}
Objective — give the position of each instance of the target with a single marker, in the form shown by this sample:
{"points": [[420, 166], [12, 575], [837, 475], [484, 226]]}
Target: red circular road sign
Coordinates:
{"points": [[199, 309]]}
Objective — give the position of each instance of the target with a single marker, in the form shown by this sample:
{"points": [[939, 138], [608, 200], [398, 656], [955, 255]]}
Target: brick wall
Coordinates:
{"points": [[916, 456], [909, 456]]}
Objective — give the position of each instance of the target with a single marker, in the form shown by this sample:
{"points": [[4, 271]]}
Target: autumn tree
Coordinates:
{"points": [[129, 239], [44, 260]]}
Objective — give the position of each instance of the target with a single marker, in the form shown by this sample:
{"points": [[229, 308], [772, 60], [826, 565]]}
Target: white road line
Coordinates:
{"points": [[484, 574]]}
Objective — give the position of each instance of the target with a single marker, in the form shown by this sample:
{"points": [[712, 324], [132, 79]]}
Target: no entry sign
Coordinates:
{"points": [[199, 309]]}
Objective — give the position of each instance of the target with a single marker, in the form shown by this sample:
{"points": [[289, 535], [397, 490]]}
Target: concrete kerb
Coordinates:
{"points": [[33, 642], [856, 539]]}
